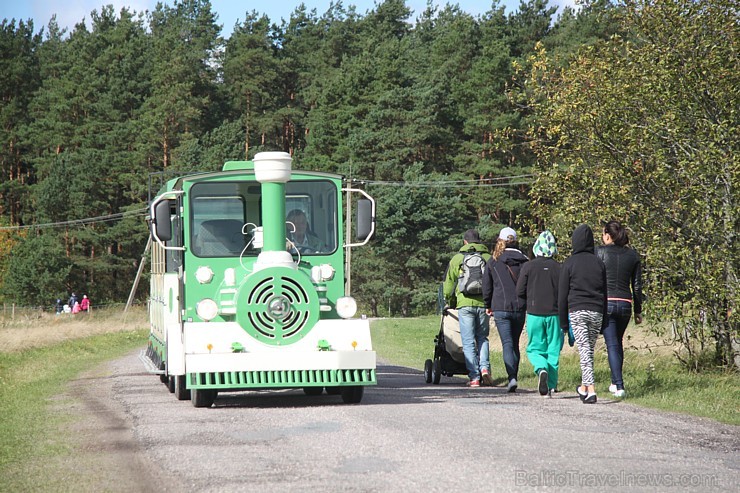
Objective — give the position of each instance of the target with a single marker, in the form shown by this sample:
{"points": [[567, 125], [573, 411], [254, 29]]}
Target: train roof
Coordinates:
{"points": [[236, 168]]}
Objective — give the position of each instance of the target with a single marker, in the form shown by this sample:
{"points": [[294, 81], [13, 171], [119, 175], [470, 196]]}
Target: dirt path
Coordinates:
{"points": [[107, 455]]}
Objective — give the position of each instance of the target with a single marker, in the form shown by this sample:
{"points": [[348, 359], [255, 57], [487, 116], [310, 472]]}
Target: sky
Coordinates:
{"points": [[70, 12]]}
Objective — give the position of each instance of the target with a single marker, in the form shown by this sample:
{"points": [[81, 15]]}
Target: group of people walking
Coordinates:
{"points": [[594, 291]]}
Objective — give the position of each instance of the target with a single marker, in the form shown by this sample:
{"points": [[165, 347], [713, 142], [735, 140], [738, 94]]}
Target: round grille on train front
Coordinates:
{"points": [[277, 306]]}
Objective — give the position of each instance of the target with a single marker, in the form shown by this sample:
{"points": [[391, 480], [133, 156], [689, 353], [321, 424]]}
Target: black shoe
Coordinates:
{"points": [[578, 391], [590, 399], [542, 384]]}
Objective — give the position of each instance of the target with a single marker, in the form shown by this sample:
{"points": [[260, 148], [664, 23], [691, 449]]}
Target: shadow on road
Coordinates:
{"points": [[396, 385]]}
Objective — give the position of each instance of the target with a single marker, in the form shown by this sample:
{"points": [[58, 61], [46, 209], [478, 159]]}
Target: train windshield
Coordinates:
{"points": [[224, 214]]}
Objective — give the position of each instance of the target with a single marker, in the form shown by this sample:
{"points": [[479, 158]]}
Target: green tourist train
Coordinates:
{"points": [[250, 285]]}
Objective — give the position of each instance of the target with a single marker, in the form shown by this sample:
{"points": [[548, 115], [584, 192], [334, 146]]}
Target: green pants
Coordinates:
{"points": [[545, 343]]}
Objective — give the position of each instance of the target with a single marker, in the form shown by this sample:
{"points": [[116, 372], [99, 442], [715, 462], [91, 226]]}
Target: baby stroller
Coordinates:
{"points": [[448, 359]]}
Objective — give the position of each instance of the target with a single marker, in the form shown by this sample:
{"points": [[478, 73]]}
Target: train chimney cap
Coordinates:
{"points": [[272, 167]]}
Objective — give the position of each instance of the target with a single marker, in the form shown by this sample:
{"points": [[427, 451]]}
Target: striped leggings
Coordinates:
{"points": [[586, 327]]}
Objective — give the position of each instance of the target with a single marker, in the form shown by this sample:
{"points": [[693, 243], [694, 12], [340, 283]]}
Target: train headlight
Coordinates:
{"points": [[327, 272], [321, 273], [279, 307], [346, 307], [207, 309], [204, 274]]}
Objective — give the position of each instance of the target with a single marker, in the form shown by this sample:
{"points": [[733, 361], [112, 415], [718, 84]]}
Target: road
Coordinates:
{"points": [[405, 436]]}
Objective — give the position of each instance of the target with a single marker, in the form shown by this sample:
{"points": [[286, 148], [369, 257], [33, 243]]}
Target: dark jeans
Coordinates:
{"points": [[509, 326], [619, 317]]}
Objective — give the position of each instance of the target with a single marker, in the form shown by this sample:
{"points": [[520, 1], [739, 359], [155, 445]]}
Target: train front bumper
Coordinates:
{"points": [[335, 353]]}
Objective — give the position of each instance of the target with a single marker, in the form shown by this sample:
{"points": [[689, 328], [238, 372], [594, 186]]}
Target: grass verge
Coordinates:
{"points": [[30, 431], [652, 380]]}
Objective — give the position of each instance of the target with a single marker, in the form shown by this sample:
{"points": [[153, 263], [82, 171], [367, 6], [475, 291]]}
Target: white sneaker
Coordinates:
{"points": [[619, 394], [512, 385], [612, 388]]}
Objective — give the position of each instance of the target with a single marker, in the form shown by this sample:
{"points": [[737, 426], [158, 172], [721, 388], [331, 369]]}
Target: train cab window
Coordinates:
{"points": [[222, 215], [219, 215], [311, 216]]}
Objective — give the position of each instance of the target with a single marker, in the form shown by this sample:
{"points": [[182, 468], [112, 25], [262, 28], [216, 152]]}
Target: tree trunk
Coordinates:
{"points": [[165, 148], [731, 332], [247, 125]]}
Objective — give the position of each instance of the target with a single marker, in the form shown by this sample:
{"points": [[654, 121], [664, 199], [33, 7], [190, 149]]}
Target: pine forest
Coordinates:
{"points": [[535, 118]]}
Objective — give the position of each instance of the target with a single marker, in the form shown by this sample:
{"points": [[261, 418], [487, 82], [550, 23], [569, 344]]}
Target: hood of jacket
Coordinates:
{"points": [[473, 247], [512, 257], [545, 245], [583, 239]]}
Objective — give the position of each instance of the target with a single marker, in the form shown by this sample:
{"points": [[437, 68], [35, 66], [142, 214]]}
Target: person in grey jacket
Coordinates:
{"points": [[582, 304], [624, 295]]}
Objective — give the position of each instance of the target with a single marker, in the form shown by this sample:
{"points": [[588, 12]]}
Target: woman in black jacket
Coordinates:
{"points": [[582, 304], [501, 301], [624, 295]]}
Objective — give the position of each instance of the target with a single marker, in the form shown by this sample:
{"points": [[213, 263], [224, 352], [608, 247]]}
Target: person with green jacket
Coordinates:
{"points": [[463, 289]]}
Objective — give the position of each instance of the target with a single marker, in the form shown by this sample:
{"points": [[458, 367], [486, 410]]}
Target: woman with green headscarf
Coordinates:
{"points": [[537, 288]]}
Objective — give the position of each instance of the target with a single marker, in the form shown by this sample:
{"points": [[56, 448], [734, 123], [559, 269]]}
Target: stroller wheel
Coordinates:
{"points": [[436, 370], [428, 371]]}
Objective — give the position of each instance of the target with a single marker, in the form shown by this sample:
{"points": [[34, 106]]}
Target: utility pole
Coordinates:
{"points": [[138, 274]]}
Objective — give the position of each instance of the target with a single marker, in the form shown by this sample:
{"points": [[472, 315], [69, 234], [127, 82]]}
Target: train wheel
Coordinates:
{"points": [[428, 371], [437, 370], [171, 384], [181, 392], [352, 395], [203, 397], [313, 390], [334, 390]]}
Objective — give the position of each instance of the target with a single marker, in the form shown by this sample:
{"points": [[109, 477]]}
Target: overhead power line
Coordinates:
{"points": [[79, 222], [502, 181], [499, 181]]}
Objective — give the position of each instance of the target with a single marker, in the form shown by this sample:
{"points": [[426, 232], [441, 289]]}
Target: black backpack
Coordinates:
{"points": [[470, 282]]}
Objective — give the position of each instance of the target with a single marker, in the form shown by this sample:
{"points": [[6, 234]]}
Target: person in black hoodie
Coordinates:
{"points": [[500, 299], [537, 289], [582, 304], [624, 294]]}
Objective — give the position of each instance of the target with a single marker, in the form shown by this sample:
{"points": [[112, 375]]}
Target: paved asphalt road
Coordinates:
{"points": [[405, 436]]}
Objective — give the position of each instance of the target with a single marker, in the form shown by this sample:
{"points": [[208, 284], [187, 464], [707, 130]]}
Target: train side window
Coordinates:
{"points": [[173, 258]]}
